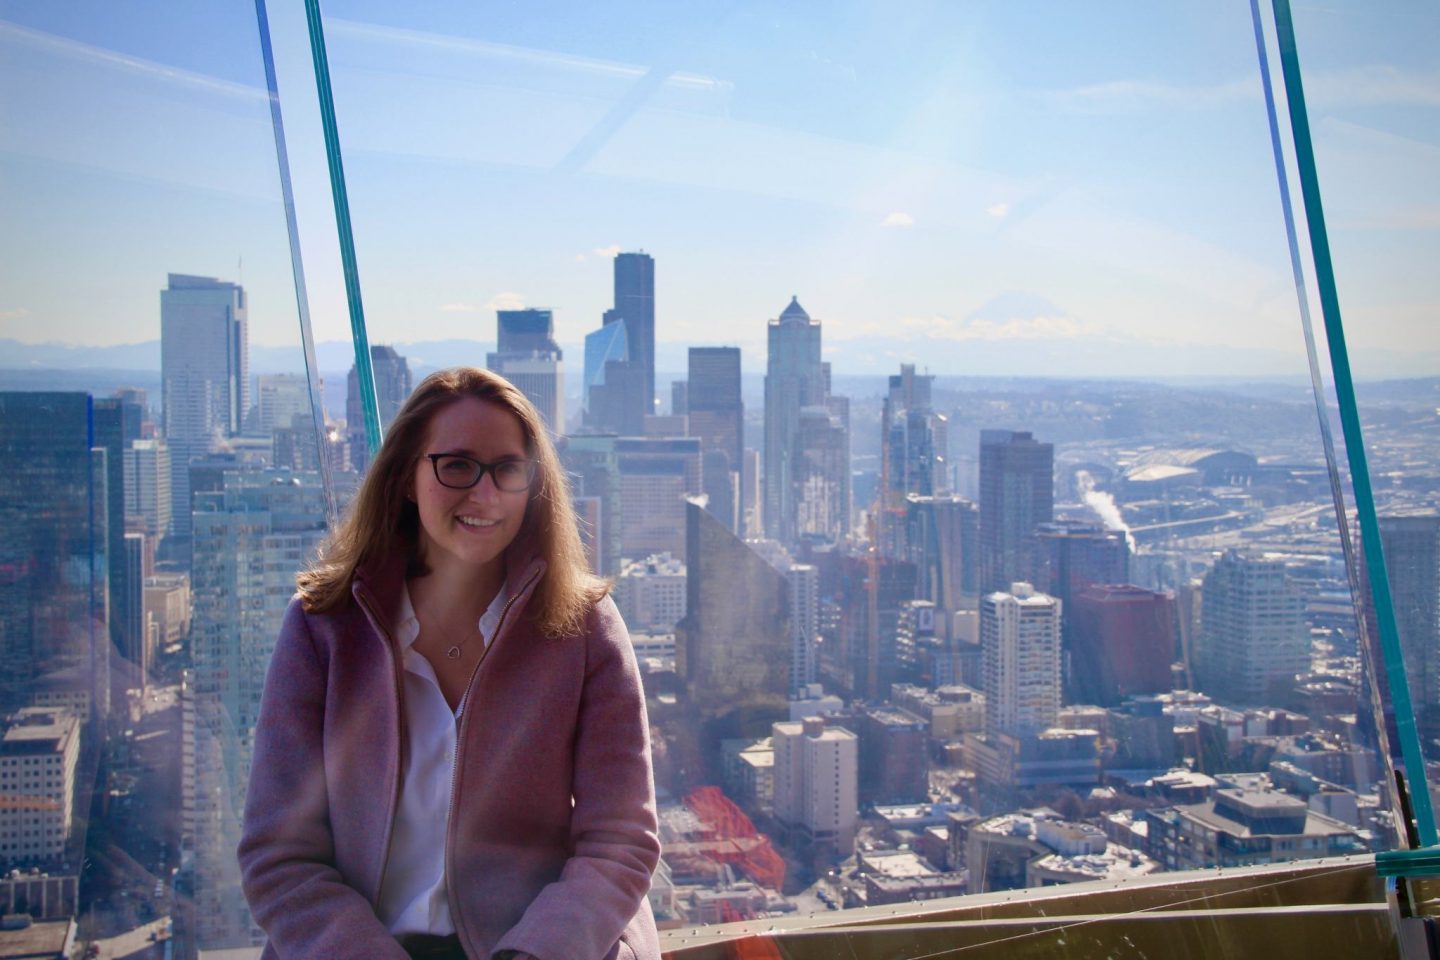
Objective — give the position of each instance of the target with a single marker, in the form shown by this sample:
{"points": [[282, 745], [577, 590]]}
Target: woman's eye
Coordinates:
{"points": [[455, 468]]}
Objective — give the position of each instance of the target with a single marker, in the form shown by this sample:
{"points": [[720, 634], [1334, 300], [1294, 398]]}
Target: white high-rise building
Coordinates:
{"points": [[1252, 640], [1020, 653], [38, 756], [204, 375], [651, 594], [804, 580], [278, 398], [816, 783], [147, 485]]}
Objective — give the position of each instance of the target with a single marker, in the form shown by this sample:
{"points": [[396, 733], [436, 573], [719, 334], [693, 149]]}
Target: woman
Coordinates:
{"points": [[452, 757]]}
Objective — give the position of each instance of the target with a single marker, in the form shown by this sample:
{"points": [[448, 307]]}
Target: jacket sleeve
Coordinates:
{"points": [[613, 827], [286, 850]]}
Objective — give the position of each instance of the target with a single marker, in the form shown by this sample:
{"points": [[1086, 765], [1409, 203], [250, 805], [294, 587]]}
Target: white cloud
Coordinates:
{"points": [[580, 258], [998, 210], [611, 251], [898, 219], [19, 313], [508, 300], [459, 308]]}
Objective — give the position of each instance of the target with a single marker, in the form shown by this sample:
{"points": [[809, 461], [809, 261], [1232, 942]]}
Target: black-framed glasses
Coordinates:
{"points": [[462, 473]]}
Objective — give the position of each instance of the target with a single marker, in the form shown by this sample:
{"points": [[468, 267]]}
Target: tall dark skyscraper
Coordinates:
{"points": [[717, 417], [117, 424], [1017, 492], [1412, 564], [54, 550], [635, 302], [1065, 557], [392, 386], [204, 379]]}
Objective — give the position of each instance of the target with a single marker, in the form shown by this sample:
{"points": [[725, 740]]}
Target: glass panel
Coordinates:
{"points": [[935, 397], [160, 481], [1048, 336], [1379, 211]]}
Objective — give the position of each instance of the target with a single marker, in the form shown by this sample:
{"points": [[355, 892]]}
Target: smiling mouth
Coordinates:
{"points": [[477, 522]]}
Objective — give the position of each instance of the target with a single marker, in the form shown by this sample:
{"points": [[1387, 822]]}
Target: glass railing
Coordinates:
{"points": [[161, 464], [931, 383]]}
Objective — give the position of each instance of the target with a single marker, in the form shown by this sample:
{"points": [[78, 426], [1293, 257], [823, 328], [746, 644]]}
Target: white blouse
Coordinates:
{"points": [[413, 893]]}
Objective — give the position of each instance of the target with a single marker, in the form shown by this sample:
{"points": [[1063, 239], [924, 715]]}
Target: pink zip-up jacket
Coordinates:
{"points": [[546, 722]]}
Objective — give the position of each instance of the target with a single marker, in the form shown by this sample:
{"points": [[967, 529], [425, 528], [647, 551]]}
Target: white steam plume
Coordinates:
{"points": [[1104, 505]]}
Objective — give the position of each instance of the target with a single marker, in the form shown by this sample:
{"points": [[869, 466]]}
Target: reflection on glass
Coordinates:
{"points": [[160, 467], [930, 384]]}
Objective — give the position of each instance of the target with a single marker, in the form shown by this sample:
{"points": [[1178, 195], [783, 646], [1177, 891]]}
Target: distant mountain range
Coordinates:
{"points": [[870, 356]]}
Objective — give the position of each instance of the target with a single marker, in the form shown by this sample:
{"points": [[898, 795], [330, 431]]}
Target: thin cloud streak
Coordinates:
{"points": [[75, 50], [355, 29]]}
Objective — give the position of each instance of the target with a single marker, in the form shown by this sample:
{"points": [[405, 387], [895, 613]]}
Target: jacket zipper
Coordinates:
{"points": [[460, 740], [403, 736]]}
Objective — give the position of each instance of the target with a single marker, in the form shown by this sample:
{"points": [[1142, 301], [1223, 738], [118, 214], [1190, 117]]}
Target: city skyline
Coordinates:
{"points": [[1030, 216], [954, 599]]}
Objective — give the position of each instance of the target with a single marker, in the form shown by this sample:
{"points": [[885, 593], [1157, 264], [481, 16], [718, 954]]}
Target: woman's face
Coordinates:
{"points": [[470, 527]]}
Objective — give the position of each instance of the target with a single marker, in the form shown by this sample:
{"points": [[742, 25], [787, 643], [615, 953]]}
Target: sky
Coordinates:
{"points": [[1024, 187]]}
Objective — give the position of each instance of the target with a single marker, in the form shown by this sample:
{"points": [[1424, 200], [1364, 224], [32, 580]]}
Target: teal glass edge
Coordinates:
{"points": [[364, 373], [1418, 789]]}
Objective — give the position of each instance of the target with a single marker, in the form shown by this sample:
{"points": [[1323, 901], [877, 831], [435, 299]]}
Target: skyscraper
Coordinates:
{"points": [[204, 379], [916, 437], [607, 345], [656, 476], [1122, 642], [1020, 652], [528, 356], [1412, 564], [116, 425], [54, 550], [733, 647], [794, 380], [635, 303], [816, 784], [1253, 640], [1017, 492], [392, 387], [251, 536], [147, 486], [942, 535], [279, 398], [717, 417], [804, 582], [594, 468], [1066, 556]]}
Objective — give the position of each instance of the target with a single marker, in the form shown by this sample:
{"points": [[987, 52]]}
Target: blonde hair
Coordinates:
{"points": [[382, 521]]}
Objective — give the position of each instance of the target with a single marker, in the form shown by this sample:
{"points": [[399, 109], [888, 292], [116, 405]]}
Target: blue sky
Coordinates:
{"points": [[983, 187]]}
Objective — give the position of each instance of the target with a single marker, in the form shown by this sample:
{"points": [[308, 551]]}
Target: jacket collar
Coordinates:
{"points": [[377, 587]]}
